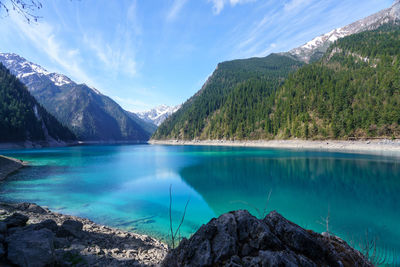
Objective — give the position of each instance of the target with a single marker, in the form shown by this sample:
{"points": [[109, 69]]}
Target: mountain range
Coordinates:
{"points": [[23, 119], [314, 49], [158, 114], [89, 114], [343, 84]]}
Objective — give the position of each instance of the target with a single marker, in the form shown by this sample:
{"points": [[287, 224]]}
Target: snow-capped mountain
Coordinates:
{"points": [[90, 115], [30, 73], [158, 114], [318, 46]]}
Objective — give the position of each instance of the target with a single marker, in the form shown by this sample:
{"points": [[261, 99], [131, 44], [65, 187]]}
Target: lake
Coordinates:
{"points": [[127, 186]]}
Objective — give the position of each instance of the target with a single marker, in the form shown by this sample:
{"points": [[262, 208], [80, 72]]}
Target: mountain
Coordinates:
{"points": [[158, 114], [23, 118], [90, 115], [315, 49], [229, 99], [351, 91]]}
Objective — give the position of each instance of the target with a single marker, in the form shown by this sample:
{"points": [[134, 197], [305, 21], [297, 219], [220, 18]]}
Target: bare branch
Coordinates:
{"points": [[173, 235], [170, 216], [25, 8], [183, 217]]}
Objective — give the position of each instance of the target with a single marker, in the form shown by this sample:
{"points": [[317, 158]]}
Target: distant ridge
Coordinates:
{"points": [[314, 49], [91, 115], [158, 114]]}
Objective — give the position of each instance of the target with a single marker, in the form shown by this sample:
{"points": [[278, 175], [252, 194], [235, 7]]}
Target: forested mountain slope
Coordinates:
{"points": [[353, 91], [232, 98], [22, 118]]}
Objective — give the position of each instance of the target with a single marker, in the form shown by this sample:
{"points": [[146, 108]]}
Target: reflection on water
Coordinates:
{"points": [[358, 194], [127, 187]]}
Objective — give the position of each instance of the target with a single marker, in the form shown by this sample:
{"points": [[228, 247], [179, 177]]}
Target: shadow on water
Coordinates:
{"points": [[360, 194]]}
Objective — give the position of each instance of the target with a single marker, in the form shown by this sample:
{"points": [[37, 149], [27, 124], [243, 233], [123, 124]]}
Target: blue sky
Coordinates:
{"points": [[145, 53]]}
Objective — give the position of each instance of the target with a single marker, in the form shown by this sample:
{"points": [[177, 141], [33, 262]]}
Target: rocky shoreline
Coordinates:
{"points": [[34, 236], [374, 146]]}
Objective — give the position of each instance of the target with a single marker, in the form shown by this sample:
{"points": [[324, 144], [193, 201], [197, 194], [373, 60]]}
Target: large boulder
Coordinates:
{"points": [[16, 220], [31, 248], [46, 224], [70, 228], [3, 227], [239, 239], [2, 251]]}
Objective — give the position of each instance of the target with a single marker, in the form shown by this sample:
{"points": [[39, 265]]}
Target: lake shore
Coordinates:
{"points": [[381, 146], [38, 144], [70, 241]]}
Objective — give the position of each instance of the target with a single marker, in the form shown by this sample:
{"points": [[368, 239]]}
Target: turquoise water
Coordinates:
{"points": [[128, 187]]}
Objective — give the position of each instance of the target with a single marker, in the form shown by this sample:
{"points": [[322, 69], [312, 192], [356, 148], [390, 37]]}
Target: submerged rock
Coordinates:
{"points": [[239, 239]]}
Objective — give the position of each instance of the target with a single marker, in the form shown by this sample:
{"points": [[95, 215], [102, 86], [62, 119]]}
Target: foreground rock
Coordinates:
{"points": [[33, 236], [239, 239]]}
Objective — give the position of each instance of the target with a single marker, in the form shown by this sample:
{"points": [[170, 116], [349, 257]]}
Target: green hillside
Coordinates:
{"points": [[22, 118], [232, 99], [352, 92]]}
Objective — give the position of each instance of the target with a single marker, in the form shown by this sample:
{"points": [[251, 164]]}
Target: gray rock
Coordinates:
{"points": [[283, 258], [224, 243], [70, 228], [36, 209], [16, 220], [239, 239], [297, 238], [29, 207], [31, 248], [48, 224], [2, 251], [3, 227]]}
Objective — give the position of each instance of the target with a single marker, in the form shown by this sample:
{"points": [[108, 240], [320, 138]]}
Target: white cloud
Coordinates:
{"points": [[218, 5], [296, 4], [43, 37], [176, 7], [115, 56], [117, 53]]}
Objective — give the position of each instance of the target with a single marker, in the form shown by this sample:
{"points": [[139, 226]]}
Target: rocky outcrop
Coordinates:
{"points": [[34, 236], [8, 166], [239, 239]]}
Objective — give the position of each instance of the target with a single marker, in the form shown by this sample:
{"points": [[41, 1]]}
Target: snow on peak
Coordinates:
{"points": [[24, 69], [321, 43], [59, 79], [95, 90], [158, 114]]}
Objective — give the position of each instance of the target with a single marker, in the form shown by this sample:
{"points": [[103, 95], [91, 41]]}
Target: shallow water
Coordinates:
{"points": [[128, 187]]}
